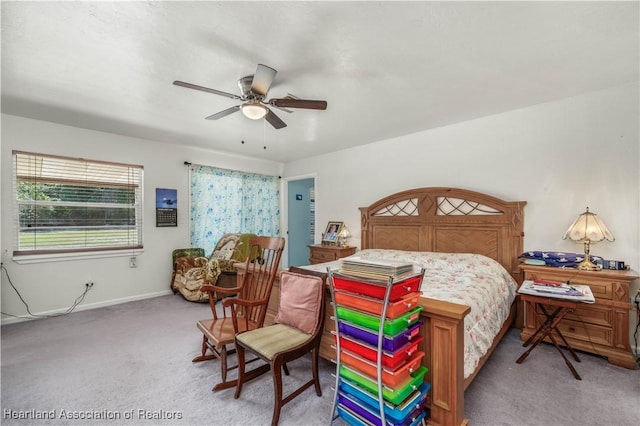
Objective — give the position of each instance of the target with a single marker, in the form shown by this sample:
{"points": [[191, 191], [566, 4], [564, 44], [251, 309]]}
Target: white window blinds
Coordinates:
{"points": [[66, 205]]}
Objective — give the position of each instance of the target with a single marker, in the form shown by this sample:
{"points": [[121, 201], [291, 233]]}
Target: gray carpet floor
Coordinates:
{"points": [[131, 364]]}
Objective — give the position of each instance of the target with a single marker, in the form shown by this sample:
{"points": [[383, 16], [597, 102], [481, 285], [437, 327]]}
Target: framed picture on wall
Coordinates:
{"points": [[330, 235], [166, 207]]}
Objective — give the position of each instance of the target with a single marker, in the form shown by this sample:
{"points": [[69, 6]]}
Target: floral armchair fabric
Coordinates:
{"points": [[191, 270]]}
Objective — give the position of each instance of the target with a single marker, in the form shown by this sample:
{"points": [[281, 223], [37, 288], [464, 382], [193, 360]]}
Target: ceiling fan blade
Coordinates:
{"points": [[262, 79], [298, 103], [224, 113], [283, 109], [205, 89], [274, 120]]}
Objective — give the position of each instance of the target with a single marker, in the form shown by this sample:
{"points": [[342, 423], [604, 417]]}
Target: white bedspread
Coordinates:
{"points": [[468, 279]]}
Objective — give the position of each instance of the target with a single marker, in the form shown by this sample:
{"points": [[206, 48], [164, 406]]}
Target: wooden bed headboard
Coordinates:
{"points": [[447, 220]]}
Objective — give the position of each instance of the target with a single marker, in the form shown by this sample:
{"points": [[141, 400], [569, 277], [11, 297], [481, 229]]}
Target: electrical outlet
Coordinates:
{"points": [[133, 262], [89, 284]]}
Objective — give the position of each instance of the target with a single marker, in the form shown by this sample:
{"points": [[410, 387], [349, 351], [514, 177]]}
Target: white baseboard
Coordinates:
{"points": [[13, 320]]}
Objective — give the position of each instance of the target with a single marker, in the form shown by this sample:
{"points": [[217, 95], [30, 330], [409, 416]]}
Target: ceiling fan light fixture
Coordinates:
{"points": [[254, 110], [253, 99]]}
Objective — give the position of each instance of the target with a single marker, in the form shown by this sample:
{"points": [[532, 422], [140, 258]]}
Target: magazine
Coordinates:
{"points": [[580, 293]]}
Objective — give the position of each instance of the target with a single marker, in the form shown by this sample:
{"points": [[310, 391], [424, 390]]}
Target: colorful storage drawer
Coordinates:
{"points": [[389, 377], [394, 413], [390, 360], [354, 418], [400, 289], [375, 350], [393, 395], [374, 306], [363, 414], [390, 327], [389, 343]]}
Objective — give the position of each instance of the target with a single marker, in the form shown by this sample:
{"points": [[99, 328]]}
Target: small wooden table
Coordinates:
{"points": [[548, 324]]}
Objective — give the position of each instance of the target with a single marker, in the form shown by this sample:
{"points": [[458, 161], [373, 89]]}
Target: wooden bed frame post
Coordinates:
{"points": [[444, 356]]}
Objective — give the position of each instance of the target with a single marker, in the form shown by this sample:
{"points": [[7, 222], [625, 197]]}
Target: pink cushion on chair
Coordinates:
{"points": [[300, 299]]}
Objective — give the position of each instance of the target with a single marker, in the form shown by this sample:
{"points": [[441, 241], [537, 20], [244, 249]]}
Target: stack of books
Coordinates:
{"points": [[557, 289], [376, 269]]}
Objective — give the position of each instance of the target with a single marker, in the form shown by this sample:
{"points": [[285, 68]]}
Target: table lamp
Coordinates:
{"points": [[588, 228], [343, 236]]}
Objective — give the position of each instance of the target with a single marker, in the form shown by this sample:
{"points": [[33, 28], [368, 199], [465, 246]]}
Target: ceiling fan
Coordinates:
{"points": [[254, 90]]}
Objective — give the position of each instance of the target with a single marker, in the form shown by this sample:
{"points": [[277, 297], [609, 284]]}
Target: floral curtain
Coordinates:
{"points": [[225, 201]]}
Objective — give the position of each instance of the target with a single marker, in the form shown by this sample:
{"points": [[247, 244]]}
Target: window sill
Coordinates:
{"points": [[63, 257]]}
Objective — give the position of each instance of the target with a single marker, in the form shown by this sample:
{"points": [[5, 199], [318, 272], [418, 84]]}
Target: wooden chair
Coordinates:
{"points": [[242, 307], [297, 331]]}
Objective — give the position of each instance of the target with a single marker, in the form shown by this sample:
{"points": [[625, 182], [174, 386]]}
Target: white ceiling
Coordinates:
{"points": [[386, 69]]}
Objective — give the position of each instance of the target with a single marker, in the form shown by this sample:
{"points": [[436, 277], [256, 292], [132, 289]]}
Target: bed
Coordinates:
{"points": [[445, 226]]}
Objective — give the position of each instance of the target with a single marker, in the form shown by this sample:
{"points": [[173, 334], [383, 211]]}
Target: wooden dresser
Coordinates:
{"points": [[320, 253], [601, 328]]}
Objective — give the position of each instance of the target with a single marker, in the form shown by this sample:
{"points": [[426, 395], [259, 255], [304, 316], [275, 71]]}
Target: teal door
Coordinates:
{"points": [[301, 226]]}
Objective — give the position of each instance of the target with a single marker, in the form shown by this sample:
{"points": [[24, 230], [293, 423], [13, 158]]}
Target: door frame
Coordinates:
{"points": [[285, 210]]}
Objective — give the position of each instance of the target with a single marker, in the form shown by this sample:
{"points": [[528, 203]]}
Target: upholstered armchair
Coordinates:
{"points": [[191, 270]]}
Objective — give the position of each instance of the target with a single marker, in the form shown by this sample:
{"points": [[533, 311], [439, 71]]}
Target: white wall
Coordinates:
{"points": [[559, 157], [53, 286]]}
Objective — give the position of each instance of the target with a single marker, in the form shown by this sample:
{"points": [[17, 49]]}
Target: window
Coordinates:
{"points": [[225, 201], [71, 205]]}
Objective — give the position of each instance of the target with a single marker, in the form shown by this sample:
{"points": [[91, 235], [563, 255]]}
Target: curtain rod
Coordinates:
{"points": [[188, 164]]}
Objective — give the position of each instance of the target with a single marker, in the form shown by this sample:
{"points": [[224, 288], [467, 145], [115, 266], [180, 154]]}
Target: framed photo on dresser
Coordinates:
{"points": [[330, 235]]}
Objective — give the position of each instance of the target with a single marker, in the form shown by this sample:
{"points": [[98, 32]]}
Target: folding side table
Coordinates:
{"points": [[548, 322]]}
